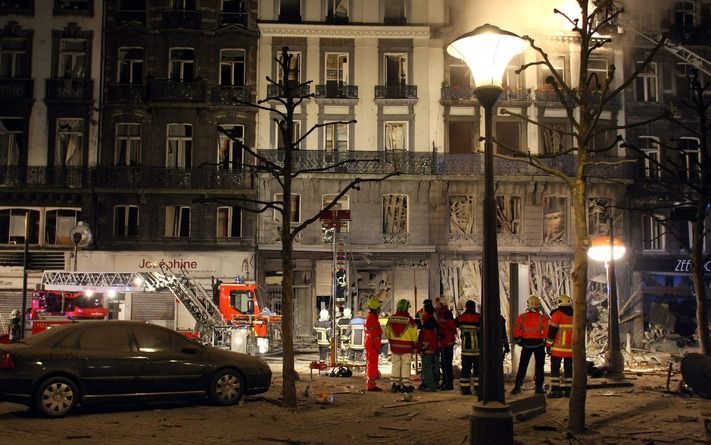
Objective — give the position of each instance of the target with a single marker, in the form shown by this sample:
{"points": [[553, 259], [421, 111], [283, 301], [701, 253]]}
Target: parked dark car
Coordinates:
{"points": [[105, 361]]}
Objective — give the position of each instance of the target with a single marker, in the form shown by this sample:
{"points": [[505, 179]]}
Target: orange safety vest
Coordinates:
{"points": [[402, 333], [560, 335], [531, 325]]}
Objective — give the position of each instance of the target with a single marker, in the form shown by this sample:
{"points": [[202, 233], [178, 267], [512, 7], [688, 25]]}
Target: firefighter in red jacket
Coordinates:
{"points": [[559, 345], [447, 331], [427, 344], [469, 323], [530, 333], [373, 336], [401, 331]]}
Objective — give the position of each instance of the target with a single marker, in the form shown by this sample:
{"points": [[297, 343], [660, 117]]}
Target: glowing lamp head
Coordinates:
{"points": [[138, 281], [487, 52], [89, 293], [600, 249], [111, 293]]}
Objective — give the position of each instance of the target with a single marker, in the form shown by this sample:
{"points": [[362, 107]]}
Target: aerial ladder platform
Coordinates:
{"points": [[676, 49], [209, 324]]}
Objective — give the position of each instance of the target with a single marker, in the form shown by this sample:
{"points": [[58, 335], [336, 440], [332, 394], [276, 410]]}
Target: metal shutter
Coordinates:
{"points": [[153, 306]]}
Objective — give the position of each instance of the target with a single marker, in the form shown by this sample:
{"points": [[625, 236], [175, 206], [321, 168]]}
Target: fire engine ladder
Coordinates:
{"points": [[209, 323], [679, 51]]}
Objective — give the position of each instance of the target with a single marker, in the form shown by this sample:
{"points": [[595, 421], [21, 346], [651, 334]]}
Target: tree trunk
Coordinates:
{"points": [[576, 415], [697, 277], [287, 311]]}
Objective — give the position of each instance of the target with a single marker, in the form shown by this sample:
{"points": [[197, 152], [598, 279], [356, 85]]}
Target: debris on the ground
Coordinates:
{"points": [[696, 371]]}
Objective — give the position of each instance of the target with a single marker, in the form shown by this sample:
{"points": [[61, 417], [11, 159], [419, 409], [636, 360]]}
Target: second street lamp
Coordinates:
{"points": [[487, 52]]}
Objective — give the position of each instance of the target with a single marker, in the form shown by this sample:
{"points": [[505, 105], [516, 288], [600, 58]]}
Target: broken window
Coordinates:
{"points": [[229, 222], [508, 214], [294, 75], [125, 220], [646, 83], [59, 225], [177, 222], [342, 204], [395, 215], [598, 216], [295, 208], [395, 135], [13, 226], [69, 143], [337, 11], [230, 151], [553, 139], [461, 215], [554, 220], [12, 138]]}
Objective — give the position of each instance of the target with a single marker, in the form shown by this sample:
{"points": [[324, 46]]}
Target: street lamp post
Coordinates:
{"points": [[609, 249], [487, 51]]}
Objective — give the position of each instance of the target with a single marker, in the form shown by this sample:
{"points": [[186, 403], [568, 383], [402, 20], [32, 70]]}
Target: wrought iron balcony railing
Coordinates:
{"points": [[516, 95], [166, 90], [204, 178], [548, 95], [396, 91], [126, 93], [297, 91], [182, 18], [457, 92], [230, 95], [16, 89], [70, 89], [337, 91], [131, 16], [233, 18]]}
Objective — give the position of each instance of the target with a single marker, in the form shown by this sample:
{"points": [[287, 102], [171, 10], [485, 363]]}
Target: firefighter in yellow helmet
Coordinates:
{"points": [[559, 345], [530, 334], [373, 336]]}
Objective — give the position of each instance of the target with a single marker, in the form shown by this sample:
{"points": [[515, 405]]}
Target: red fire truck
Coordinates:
{"points": [[53, 307]]}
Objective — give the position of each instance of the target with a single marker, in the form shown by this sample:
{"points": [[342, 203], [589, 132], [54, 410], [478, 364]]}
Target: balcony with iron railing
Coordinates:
{"points": [[336, 90], [454, 95], [131, 16], [70, 90], [296, 90], [16, 90], [167, 90], [396, 91], [232, 18], [549, 97], [181, 18], [125, 93], [115, 178], [231, 94]]}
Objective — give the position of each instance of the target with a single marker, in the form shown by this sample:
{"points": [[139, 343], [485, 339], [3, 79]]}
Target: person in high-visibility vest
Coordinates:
{"points": [[323, 334], [469, 324], [559, 345], [402, 333], [530, 334]]}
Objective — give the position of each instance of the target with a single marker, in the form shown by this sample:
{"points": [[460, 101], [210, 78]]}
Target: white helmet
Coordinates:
{"points": [[347, 313], [323, 315], [15, 313]]}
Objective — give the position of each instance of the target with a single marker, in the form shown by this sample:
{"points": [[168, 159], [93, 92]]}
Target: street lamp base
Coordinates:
{"points": [[615, 365], [491, 424]]}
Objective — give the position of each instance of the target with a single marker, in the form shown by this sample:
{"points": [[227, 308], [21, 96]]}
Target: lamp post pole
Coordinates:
{"points": [[615, 361]]}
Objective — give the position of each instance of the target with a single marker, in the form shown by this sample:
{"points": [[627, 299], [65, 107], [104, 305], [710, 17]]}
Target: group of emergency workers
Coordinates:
{"points": [[432, 333]]}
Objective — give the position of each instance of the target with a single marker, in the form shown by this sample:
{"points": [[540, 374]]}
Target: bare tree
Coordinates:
{"points": [[290, 94], [685, 178], [584, 101]]}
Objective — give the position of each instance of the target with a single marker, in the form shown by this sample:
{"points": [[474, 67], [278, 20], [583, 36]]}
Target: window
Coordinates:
{"points": [[128, 145], [12, 139], [180, 144], [513, 81], [653, 237], [242, 301], [289, 10], [130, 68], [689, 149], [553, 138], [12, 226], [70, 142], [508, 137], [72, 6], [233, 5], [395, 69], [14, 59], [555, 220], [153, 339], [461, 215], [508, 214], [336, 72], [229, 222], [295, 207], [558, 62], [182, 5], [394, 12], [281, 144], [650, 147], [125, 220], [336, 137], [131, 11], [460, 76], [395, 209], [181, 66], [341, 204], [294, 76], [646, 83], [598, 216], [337, 11], [597, 75], [684, 16], [72, 59], [58, 225], [395, 135], [177, 222], [605, 137], [106, 338], [232, 67], [462, 137], [230, 152]]}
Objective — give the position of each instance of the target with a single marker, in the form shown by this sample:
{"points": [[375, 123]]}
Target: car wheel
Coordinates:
{"points": [[56, 397], [227, 387]]}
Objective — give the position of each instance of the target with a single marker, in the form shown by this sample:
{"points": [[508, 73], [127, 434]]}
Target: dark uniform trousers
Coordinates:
{"points": [[540, 356]]}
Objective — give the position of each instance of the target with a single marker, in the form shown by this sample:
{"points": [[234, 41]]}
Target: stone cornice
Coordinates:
{"points": [[343, 31]]}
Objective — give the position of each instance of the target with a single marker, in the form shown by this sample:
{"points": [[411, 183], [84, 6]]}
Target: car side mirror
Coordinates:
{"points": [[190, 350]]}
